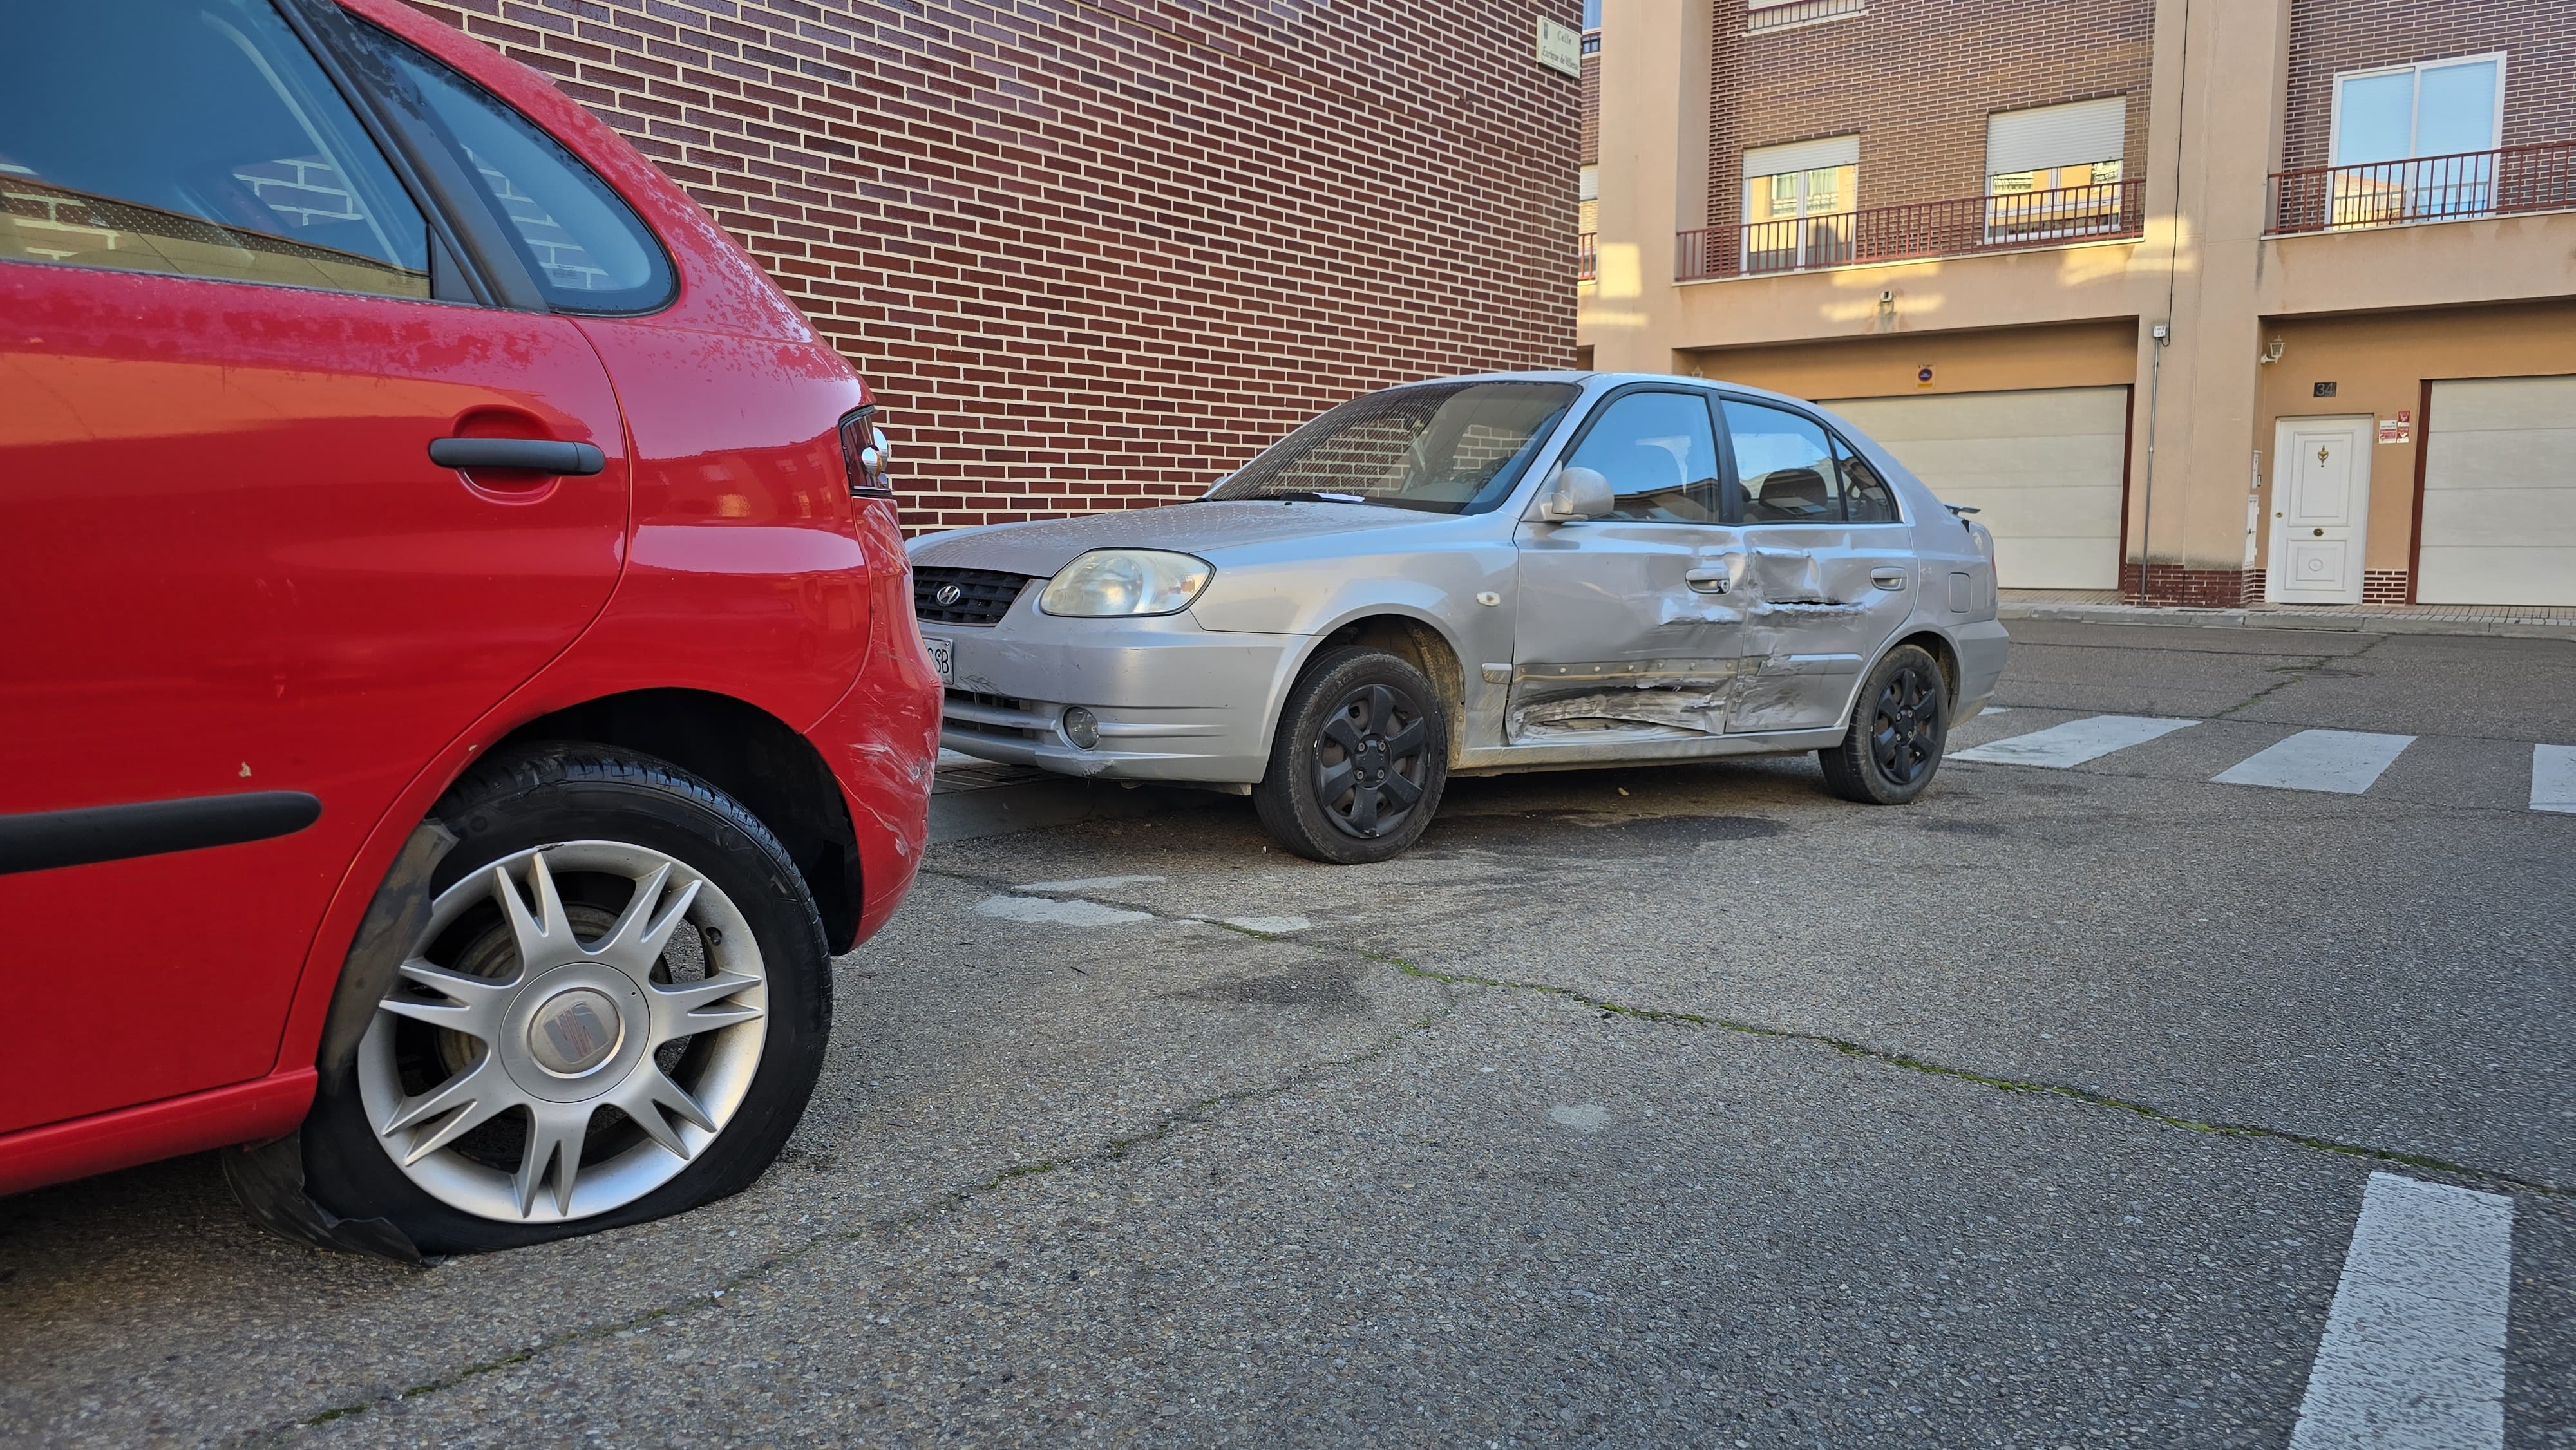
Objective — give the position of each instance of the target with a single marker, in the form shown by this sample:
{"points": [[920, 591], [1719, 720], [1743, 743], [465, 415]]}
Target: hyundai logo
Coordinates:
{"points": [[947, 594]]}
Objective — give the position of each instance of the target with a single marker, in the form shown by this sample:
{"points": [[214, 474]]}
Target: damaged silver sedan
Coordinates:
{"points": [[1509, 572]]}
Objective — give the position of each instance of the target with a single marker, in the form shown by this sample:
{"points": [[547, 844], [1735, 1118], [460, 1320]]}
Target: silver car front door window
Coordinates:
{"points": [[1627, 626], [1833, 571]]}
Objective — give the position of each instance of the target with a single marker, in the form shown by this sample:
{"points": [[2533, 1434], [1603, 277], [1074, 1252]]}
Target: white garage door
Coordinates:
{"points": [[2500, 493], [2042, 467]]}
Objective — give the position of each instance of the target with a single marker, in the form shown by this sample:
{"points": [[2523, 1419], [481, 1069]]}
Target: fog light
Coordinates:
{"points": [[1082, 727]]}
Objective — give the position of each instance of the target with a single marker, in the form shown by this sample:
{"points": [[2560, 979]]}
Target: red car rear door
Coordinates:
{"points": [[244, 604]]}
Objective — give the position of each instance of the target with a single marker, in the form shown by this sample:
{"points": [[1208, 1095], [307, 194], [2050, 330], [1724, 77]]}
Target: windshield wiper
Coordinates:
{"points": [[1316, 495], [1382, 500]]}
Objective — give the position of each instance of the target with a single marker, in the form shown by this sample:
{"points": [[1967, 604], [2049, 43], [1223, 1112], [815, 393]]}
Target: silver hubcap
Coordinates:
{"points": [[518, 1017]]}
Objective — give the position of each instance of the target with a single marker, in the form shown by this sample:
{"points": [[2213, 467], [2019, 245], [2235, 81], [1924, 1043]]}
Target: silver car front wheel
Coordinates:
{"points": [[574, 1026]]}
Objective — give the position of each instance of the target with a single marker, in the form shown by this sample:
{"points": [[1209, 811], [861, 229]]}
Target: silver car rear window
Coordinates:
{"points": [[1439, 447]]}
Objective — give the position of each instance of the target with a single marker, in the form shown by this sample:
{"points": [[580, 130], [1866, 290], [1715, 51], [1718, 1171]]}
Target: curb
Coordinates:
{"points": [[2171, 618], [1000, 810]]}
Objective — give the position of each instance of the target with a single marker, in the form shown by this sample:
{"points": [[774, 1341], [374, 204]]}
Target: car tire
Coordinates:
{"points": [[563, 824], [1362, 731], [1899, 727]]}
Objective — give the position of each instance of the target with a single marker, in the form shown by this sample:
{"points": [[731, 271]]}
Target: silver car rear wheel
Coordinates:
{"points": [[573, 1027]]}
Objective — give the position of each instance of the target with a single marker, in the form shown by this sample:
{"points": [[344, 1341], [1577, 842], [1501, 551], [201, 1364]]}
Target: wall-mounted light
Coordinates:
{"points": [[2272, 350]]}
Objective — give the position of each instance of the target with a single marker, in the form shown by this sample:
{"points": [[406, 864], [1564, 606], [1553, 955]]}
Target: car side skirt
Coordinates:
{"points": [[1507, 759], [247, 1112]]}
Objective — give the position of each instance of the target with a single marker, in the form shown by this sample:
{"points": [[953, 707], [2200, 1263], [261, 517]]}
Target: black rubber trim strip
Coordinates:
{"points": [[536, 455], [43, 840]]}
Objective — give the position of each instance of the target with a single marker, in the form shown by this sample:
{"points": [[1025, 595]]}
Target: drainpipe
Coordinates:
{"points": [[2155, 392], [2164, 330]]}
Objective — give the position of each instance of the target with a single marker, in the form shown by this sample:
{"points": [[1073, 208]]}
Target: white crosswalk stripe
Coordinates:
{"points": [[2075, 742], [2341, 762], [2413, 1357], [2553, 778], [2345, 762]]}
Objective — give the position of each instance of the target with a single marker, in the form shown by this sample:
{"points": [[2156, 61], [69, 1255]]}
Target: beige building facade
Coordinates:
{"points": [[2210, 302]]}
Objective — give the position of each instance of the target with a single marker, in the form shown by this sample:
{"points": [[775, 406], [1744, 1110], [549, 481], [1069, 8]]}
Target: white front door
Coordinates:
{"points": [[2320, 510]]}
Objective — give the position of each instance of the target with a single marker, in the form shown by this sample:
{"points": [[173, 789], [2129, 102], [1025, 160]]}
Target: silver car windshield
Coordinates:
{"points": [[1440, 447]]}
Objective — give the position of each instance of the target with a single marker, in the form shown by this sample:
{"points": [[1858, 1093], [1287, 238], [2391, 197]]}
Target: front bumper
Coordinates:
{"points": [[1175, 702]]}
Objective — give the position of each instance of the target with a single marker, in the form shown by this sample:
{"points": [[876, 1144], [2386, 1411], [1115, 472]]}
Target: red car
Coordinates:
{"points": [[460, 686]]}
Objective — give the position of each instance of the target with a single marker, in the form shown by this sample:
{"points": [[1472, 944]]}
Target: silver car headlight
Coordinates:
{"points": [[1126, 583]]}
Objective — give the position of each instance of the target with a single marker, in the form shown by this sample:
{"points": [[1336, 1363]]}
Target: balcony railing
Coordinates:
{"points": [[1587, 256], [2000, 222], [2458, 187]]}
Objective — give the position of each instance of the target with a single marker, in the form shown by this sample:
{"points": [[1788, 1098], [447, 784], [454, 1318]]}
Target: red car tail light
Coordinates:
{"points": [[865, 452]]}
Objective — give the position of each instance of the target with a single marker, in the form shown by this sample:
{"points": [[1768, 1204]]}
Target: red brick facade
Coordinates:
{"points": [[2193, 588], [1094, 253], [2235, 588], [1592, 108], [2330, 37], [1916, 83]]}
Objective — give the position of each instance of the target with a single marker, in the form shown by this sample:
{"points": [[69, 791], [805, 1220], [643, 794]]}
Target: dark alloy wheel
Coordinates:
{"points": [[1899, 725], [1360, 757]]}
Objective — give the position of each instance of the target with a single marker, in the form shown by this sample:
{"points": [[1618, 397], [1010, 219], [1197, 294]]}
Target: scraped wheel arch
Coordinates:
{"points": [[1417, 643], [1943, 653]]}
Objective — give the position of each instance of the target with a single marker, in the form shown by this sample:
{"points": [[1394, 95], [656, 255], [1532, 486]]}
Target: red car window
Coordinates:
{"points": [[225, 152]]}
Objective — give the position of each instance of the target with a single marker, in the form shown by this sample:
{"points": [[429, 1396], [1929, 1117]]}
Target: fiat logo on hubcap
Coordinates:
{"points": [[948, 594]]}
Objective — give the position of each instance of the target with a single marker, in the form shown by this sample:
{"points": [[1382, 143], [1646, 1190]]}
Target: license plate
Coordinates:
{"points": [[943, 653]]}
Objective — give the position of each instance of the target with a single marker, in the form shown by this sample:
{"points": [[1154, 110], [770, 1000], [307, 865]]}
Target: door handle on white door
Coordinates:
{"points": [[1887, 577], [1710, 581]]}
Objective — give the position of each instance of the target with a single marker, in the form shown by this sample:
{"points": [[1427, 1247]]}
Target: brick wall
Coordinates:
{"points": [[1592, 109], [1916, 83], [2329, 37], [1093, 253]]}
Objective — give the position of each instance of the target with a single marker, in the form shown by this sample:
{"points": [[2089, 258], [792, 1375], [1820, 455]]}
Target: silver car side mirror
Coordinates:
{"points": [[1577, 493]]}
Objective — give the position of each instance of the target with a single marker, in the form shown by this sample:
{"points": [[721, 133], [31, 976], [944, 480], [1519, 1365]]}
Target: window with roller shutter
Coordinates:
{"points": [[2055, 171]]}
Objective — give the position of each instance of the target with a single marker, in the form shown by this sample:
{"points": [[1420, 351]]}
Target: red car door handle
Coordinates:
{"points": [[532, 455]]}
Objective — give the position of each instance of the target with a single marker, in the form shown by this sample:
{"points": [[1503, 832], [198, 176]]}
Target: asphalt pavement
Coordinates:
{"points": [[1684, 1106]]}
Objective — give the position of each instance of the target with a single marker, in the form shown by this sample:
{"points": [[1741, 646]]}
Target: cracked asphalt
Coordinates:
{"points": [[1639, 1107]]}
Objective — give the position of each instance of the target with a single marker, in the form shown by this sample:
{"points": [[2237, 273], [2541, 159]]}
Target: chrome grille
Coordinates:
{"points": [[964, 596]]}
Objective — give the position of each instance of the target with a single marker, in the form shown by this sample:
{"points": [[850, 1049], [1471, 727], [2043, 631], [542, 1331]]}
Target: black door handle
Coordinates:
{"points": [[533, 455]]}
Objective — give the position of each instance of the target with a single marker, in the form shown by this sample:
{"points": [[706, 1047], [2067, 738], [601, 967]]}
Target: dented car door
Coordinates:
{"points": [[1628, 627], [1833, 574]]}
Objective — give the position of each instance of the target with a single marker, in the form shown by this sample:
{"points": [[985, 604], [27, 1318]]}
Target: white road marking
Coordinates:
{"points": [[1581, 1117], [2413, 1357], [1088, 883], [2553, 778], [2345, 762], [1270, 925], [1057, 913], [2075, 742]]}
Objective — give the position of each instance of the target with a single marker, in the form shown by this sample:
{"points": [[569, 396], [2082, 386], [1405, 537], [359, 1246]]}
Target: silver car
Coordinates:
{"points": [[1517, 571]]}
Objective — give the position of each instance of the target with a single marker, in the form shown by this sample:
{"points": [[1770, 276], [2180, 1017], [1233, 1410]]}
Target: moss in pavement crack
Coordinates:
{"points": [[1875, 1054], [2295, 674], [2002, 1084]]}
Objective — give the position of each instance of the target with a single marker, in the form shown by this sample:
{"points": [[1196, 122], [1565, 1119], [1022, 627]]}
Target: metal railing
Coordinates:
{"points": [[1587, 256], [1998, 222], [2458, 187], [1779, 14]]}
